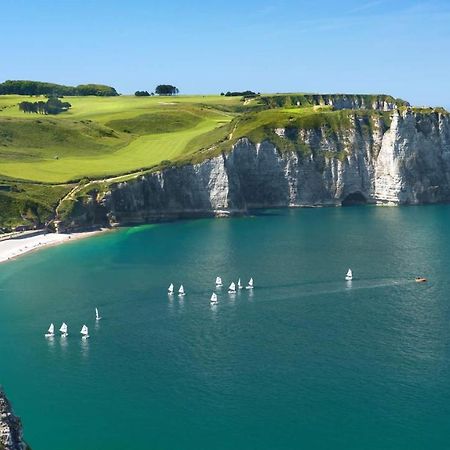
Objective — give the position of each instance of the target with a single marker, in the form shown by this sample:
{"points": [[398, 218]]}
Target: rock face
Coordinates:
{"points": [[402, 160], [10, 427]]}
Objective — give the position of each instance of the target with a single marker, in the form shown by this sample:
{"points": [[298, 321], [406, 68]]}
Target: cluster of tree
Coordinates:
{"points": [[24, 87], [143, 94], [247, 94], [52, 106], [166, 89]]}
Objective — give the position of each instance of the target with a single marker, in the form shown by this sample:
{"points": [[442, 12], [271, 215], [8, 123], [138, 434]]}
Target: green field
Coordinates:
{"points": [[102, 137]]}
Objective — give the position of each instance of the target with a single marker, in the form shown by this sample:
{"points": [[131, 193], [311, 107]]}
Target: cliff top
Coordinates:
{"points": [[43, 157]]}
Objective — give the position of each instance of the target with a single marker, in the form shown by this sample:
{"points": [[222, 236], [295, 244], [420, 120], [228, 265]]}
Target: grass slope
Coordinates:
{"points": [[102, 137]]}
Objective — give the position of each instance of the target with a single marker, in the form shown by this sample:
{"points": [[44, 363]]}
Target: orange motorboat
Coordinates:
{"points": [[421, 280]]}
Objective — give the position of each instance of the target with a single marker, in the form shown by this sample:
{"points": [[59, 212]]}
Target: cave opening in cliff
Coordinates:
{"points": [[354, 199]]}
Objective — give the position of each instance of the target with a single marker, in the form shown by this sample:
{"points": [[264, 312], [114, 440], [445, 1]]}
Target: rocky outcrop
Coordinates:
{"points": [[10, 427], [401, 159], [337, 101]]}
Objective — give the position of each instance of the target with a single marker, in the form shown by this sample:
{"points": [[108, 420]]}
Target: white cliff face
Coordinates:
{"points": [[407, 162], [413, 165]]}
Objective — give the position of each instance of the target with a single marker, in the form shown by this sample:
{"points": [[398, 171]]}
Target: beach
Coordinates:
{"points": [[23, 244]]}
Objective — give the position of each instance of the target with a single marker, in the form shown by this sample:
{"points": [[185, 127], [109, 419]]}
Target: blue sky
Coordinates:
{"points": [[400, 47]]}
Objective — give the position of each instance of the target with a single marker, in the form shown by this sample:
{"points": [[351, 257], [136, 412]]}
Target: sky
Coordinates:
{"points": [[397, 47]]}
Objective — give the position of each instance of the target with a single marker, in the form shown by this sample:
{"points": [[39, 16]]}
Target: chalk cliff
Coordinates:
{"points": [[398, 157]]}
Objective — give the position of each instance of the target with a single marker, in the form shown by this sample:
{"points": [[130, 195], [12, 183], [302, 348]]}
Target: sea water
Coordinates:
{"points": [[305, 360]]}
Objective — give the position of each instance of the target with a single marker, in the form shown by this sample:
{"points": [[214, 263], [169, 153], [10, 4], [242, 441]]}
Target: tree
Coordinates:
{"points": [[141, 94], [166, 89], [52, 106], [25, 87]]}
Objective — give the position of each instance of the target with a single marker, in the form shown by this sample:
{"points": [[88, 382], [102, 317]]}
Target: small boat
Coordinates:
{"points": [[219, 282], [51, 331], [349, 276], [420, 280], [232, 288], [64, 330], [213, 299], [181, 292], [170, 290], [84, 332], [250, 284], [97, 315], [239, 284]]}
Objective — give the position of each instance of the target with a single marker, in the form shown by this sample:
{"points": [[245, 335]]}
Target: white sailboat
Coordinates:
{"points": [[64, 330], [84, 332], [97, 315], [51, 331], [181, 292], [250, 284], [349, 276], [213, 298], [219, 282], [170, 290], [232, 288], [239, 284]]}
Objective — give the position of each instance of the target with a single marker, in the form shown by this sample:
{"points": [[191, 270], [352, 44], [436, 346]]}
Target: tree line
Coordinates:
{"points": [[161, 89], [246, 94], [52, 106], [25, 87]]}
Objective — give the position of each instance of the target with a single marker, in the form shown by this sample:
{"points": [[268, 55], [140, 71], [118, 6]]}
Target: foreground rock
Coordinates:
{"points": [[10, 427]]}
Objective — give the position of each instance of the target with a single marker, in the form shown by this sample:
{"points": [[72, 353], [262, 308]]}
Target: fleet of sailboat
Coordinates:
{"points": [[181, 293], [64, 329]]}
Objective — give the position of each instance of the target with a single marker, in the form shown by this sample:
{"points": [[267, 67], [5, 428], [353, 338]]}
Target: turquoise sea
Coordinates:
{"points": [[305, 361]]}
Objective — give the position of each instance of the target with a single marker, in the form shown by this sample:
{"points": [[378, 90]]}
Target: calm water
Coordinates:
{"points": [[307, 361]]}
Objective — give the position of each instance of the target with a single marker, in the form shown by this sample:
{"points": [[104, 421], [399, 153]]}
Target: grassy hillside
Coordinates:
{"points": [[102, 137]]}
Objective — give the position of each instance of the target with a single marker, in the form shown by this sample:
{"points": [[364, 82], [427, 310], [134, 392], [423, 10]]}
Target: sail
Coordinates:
{"points": [[250, 283], [232, 287], [214, 297], [239, 284], [181, 290], [51, 328], [63, 328], [349, 273], [170, 290], [84, 330], [218, 281], [97, 315]]}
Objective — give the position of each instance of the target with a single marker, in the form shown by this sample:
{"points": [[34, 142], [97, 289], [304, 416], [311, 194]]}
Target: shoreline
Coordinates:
{"points": [[15, 247]]}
